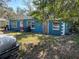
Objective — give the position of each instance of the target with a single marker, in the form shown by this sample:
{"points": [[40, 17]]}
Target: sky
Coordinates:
{"points": [[17, 3]]}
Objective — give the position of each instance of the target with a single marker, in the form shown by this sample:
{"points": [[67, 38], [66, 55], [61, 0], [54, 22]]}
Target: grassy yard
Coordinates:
{"points": [[46, 44], [26, 38], [23, 37]]}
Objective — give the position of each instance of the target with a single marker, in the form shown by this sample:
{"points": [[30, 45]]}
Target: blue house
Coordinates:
{"points": [[52, 27]]}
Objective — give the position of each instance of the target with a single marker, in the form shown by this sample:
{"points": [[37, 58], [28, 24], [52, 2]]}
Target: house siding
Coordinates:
{"points": [[38, 27]]}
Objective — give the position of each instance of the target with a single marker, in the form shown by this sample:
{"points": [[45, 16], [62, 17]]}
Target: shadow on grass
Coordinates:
{"points": [[47, 49], [20, 36], [76, 38], [36, 49]]}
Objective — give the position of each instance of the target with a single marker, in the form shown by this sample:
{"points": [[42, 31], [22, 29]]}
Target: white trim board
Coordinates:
{"points": [[63, 28]]}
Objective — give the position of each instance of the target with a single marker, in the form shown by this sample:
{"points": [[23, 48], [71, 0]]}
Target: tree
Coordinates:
{"points": [[4, 7], [10, 13], [41, 13], [68, 10], [3, 3], [29, 6], [21, 13], [59, 8]]}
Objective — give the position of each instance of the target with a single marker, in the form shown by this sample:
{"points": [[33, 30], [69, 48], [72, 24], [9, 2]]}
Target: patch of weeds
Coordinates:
{"points": [[22, 53], [76, 38]]}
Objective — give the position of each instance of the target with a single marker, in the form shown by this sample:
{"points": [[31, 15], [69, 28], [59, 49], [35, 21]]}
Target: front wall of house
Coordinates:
{"points": [[38, 28]]}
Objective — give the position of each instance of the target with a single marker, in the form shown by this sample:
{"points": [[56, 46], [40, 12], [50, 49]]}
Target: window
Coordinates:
{"points": [[56, 25], [21, 23], [32, 24], [14, 24]]}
